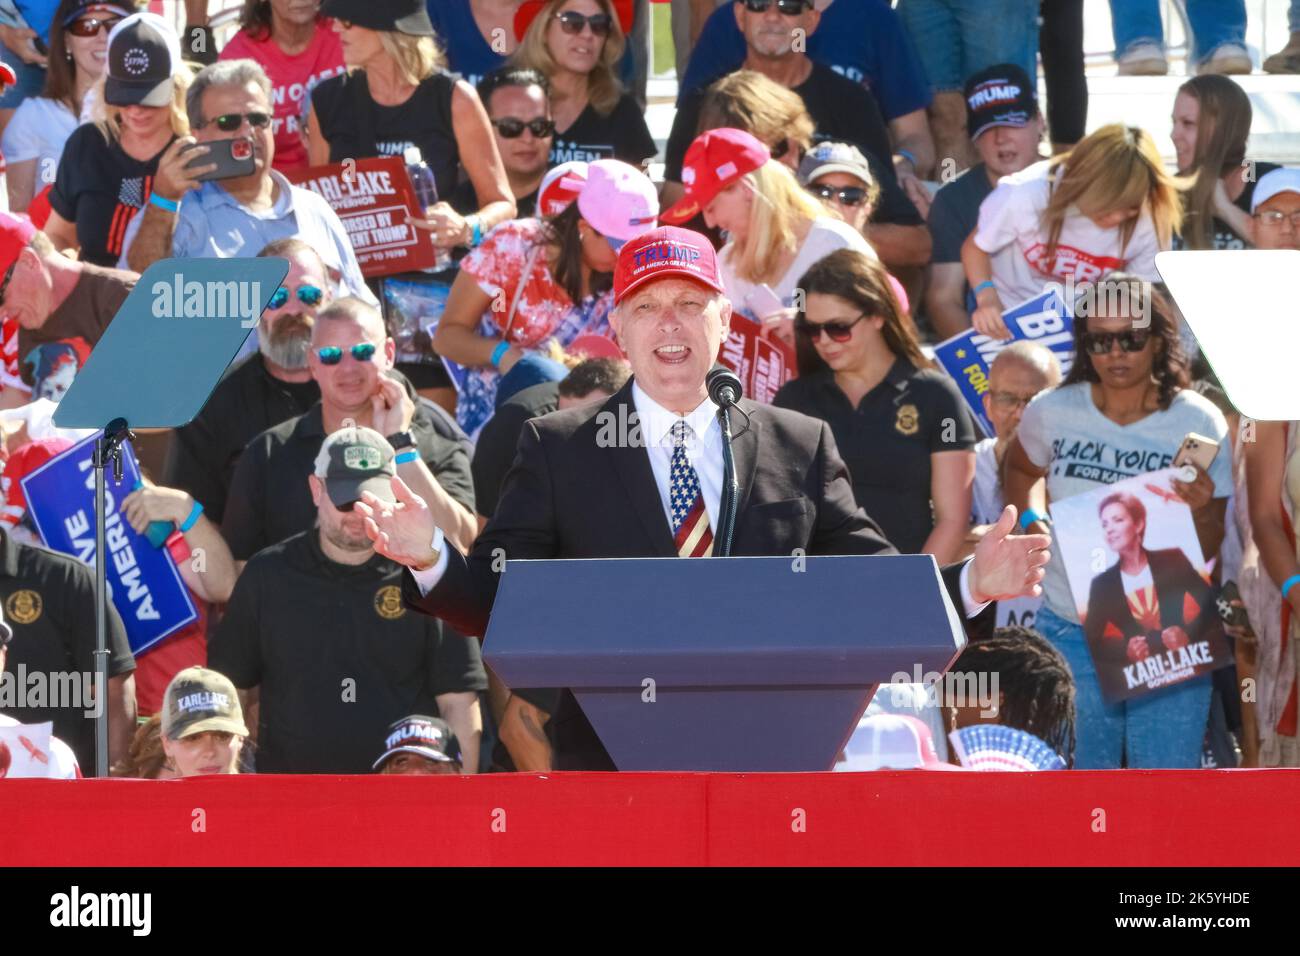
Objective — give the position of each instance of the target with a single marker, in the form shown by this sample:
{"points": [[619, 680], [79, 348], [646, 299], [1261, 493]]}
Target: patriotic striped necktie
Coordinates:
{"points": [[691, 532]]}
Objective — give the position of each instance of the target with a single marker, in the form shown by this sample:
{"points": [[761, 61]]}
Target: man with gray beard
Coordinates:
{"points": [[259, 391]]}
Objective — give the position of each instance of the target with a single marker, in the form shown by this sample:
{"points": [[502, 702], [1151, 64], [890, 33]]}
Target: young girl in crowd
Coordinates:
{"points": [[892, 413], [203, 727], [1126, 397], [1105, 206]]}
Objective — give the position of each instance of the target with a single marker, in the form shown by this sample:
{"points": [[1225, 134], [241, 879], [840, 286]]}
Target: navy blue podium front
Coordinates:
{"points": [[722, 664]]}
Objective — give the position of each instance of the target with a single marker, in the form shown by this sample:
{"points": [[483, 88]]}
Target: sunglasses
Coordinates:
{"points": [[308, 295], [91, 26], [332, 354], [1100, 343], [838, 331], [844, 195], [229, 122], [572, 22], [511, 128], [791, 8]]}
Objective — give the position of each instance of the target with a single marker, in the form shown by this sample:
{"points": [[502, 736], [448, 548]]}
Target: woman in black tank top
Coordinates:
{"points": [[396, 94]]}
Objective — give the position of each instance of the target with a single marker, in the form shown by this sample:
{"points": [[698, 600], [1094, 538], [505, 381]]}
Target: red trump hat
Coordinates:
{"points": [[716, 159], [662, 253], [16, 232]]}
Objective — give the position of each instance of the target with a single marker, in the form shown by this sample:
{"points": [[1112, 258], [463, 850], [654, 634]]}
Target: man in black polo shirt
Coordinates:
{"points": [[49, 601], [841, 110], [258, 391], [351, 359], [317, 626]]}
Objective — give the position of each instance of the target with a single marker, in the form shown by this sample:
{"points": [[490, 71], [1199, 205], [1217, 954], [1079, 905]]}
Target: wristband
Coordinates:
{"points": [[497, 353], [986, 284], [167, 205], [1030, 516], [477, 235], [194, 516], [1286, 585], [405, 458], [908, 155]]}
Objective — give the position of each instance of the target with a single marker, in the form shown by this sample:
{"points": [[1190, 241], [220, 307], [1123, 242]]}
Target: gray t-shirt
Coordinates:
{"points": [[1063, 432]]}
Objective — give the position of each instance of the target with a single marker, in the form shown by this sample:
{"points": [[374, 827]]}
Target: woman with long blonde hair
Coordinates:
{"points": [[1105, 206], [397, 95], [577, 45], [775, 229]]}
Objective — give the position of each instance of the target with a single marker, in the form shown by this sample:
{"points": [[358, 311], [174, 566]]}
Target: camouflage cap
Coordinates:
{"points": [[353, 460]]}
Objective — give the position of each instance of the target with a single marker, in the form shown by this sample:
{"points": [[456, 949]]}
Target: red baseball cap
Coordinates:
{"points": [[529, 9], [560, 187], [716, 159], [665, 252], [7, 75], [22, 462], [15, 232]]}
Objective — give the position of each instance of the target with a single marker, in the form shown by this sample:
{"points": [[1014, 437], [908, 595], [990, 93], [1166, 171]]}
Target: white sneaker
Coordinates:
{"points": [[1145, 59], [1229, 59]]}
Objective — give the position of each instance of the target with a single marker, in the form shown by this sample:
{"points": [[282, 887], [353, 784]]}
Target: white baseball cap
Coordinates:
{"points": [[1272, 183]]}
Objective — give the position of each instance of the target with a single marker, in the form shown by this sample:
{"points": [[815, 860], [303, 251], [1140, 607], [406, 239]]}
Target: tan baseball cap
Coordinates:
{"points": [[199, 700]]}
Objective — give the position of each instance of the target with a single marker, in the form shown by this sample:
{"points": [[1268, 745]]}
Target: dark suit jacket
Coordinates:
{"points": [[1175, 581], [569, 497]]}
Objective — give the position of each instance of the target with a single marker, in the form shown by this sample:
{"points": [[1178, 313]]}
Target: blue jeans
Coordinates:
{"points": [[1293, 16], [1214, 23], [956, 38], [1163, 729], [31, 80]]}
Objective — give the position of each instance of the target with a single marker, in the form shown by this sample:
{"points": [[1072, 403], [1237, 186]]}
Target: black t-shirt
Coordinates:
{"points": [[269, 496], [100, 189], [842, 111], [247, 401], [955, 213], [1222, 235], [494, 452], [465, 201], [888, 439], [337, 655], [356, 126], [622, 134], [49, 601]]}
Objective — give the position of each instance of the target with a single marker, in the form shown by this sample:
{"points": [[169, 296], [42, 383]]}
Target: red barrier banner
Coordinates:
{"points": [[763, 364], [372, 197]]}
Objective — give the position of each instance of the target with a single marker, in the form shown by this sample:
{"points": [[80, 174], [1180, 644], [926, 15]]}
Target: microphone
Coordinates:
{"points": [[723, 385]]}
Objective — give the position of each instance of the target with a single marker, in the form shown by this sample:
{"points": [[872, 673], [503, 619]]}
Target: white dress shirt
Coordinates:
{"points": [[703, 450]]}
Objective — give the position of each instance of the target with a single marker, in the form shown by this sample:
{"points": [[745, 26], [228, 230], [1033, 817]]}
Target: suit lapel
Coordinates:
{"points": [[632, 463], [744, 446]]}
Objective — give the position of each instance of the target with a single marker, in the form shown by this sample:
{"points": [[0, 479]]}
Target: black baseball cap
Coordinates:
{"points": [[1000, 95], [396, 16], [427, 736], [143, 53], [356, 459]]}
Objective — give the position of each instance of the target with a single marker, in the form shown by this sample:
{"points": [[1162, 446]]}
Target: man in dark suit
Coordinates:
{"points": [[641, 476]]}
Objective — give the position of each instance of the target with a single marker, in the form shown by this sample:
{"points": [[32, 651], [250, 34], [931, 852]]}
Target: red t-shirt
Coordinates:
{"points": [[292, 78], [188, 647]]}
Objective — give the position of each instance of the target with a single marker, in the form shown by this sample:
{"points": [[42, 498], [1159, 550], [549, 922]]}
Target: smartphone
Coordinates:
{"points": [[1231, 614], [234, 157], [761, 301], [1196, 450]]}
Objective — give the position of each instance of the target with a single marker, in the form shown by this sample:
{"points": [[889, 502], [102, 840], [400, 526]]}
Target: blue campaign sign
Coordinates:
{"points": [[143, 581], [967, 357]]}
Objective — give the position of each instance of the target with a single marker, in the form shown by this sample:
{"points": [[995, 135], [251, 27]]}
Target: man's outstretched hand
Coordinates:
{"points": [[403, 530], [1008, 565]]}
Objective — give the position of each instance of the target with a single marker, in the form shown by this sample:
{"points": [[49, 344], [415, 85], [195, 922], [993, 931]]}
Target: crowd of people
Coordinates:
{"points": [[858, 181]]}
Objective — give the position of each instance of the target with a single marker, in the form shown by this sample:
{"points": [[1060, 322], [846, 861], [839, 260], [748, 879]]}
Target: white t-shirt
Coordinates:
{"points": [[38, 130], [825, 236], [987, 502], [1063, 432], [1011, 231], [65, 761]]}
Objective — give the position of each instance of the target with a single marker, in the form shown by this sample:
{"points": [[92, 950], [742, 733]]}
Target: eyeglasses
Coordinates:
{"points": [[838, 331], [91, 26], [229, 122], [572, 22], [332, 354], [308, 295], [791, 8], [1274, 218], [1100, 343], [511, 128], [1010, 400], [844, 195]]}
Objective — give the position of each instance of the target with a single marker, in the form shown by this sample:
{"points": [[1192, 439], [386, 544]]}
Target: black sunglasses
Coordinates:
{"points": [[511, 128], [1100, 343], [229, 122], [90, 26], [332, 354], [791, 8], [838, 331], [572, 22], [844, 195]]}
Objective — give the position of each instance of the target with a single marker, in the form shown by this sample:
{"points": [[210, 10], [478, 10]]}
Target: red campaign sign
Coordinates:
{"points": [[372, 198], [763, 364]]}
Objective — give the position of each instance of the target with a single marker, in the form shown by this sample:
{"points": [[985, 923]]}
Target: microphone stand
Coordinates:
{"points": [[108, 447], [730, 488]]}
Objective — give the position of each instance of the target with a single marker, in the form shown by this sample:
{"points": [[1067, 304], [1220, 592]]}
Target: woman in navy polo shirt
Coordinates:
{"points": [[899, 424]]}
